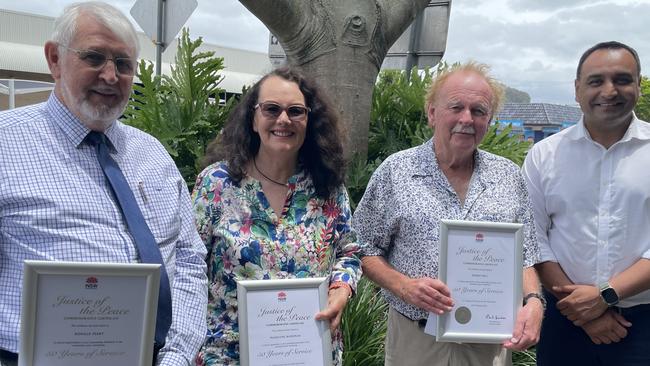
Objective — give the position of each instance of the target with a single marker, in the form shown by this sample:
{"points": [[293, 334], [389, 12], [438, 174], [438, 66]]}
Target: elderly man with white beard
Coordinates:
{"points": [[448, 177], [78, 185]]}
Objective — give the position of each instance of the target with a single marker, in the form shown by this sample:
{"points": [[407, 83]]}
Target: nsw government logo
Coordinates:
{"points": [[91, 283], [479, 237], [282, 296]]}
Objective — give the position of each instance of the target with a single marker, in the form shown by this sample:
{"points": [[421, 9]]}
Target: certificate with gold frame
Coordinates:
{"points": [[81, 313], [481, 263]]}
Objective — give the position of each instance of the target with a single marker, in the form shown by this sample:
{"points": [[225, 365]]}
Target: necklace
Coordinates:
{"points": [[267, 178]]}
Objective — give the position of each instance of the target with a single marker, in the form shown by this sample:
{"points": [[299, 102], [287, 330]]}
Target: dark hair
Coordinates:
{"points": [[609, 45], [321, 154]]}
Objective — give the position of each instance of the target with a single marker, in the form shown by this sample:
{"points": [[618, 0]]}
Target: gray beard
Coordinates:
{"points": [[90, 113]]}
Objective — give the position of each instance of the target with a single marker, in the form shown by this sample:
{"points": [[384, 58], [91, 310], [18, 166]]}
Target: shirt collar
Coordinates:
{"points": [[427, 164], [634, 131], [75, 130]]}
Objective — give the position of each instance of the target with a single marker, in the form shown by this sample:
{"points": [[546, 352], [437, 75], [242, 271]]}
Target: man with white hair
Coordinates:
{"points": [[398, 222], [78, 185]]}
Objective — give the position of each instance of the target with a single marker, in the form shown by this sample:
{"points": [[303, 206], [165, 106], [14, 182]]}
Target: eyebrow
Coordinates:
{"points": [[616, 74], [452, 103], [105, 51]]}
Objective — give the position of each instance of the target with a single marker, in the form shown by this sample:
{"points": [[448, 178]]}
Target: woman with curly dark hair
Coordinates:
{"points": [[271, 205]]}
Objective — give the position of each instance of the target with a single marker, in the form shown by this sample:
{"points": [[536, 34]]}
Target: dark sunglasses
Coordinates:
{"points": [[97, 60], [271, 110]]}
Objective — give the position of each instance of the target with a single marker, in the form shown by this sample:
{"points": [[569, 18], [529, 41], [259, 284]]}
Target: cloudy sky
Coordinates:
{"points": [[532, 45]]}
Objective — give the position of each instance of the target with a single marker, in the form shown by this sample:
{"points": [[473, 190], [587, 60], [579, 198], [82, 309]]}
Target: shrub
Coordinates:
{"points": [[182, 110], [364, 327]]}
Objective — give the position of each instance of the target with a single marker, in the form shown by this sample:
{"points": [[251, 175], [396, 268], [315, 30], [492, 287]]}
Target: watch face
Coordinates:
{"points": [[610, 296]]}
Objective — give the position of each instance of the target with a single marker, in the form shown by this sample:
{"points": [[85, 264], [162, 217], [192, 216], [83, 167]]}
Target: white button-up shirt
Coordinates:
{"points": [[591, 204]]}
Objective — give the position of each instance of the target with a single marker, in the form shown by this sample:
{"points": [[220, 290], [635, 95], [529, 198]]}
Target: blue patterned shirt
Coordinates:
{"points": [[399, 215], [55, 204]]}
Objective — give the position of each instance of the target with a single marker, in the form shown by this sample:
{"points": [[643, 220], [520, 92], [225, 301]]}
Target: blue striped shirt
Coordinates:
{"points": [[55, 204]]}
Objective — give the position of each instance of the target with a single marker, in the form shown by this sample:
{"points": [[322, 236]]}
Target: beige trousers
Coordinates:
{"points": [[408, 345]]}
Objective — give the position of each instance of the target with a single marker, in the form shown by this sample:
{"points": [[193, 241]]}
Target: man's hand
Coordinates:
{"points": [[611, 327], [427, 293], [583, 303], [337, 298], [527, 326]]}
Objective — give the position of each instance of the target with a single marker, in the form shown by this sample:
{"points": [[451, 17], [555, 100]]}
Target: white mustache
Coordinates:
{"points": [[463, 129], [106, 90]]}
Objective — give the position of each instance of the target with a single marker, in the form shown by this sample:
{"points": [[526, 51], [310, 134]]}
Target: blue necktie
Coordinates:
{"points": [[144, 240]]}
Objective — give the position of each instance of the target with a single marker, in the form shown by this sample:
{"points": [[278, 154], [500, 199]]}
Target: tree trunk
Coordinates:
{"points": [[342, 44]]}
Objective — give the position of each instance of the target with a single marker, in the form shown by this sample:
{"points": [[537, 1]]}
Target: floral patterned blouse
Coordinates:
{"points": [[246, 240]]}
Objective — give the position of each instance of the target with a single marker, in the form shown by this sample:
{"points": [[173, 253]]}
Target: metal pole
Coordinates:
{"points": [[12, 94], [160, 36], [414, 40]]}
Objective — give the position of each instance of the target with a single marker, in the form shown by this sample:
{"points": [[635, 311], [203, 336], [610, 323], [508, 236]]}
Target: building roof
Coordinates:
{"points": [[23, 35], [539, 113]]}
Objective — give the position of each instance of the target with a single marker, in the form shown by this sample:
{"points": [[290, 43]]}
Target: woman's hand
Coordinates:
{"points": [[337, 298]]}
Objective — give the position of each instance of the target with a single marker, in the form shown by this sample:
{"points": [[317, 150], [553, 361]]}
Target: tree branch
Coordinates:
{"points": [[281, 17], [399, 15]]}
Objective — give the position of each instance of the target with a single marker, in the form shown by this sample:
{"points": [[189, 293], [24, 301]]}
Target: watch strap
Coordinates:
{"points": [[608, 291], [535, 295]]}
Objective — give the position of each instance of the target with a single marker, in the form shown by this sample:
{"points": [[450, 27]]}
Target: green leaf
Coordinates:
{"points": [[642, 108], [181, 110]]}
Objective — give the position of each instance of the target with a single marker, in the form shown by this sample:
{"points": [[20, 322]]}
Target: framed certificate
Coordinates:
{"points": [[277, 325], [98, 314], [481, 263]]}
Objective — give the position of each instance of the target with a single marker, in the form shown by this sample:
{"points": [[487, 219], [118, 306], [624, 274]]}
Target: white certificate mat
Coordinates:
{"points": [[481, 263], [98, 314], [277, 324]]}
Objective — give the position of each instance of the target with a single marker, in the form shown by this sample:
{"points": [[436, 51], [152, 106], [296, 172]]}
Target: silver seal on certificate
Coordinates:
{"points": [[463, 315]]}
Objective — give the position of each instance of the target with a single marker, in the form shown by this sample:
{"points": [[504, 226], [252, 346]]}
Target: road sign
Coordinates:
{"points": [[276, 52], [145, 13], [424, 41]]}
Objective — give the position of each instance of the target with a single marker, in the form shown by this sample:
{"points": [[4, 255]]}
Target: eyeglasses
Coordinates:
{"points": [[97, 60], [271, 110]]}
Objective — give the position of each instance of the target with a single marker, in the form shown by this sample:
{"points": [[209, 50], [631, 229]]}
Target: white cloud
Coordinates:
{"points": [[539, 53]]}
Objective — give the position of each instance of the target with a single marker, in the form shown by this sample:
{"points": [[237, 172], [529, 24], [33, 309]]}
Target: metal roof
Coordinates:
{"points": [[23, 35], [539, 113], [25, 58], [25, 86]]}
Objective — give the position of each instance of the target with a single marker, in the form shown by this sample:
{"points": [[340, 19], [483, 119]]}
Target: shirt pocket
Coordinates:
{"points": [[160, 202]]}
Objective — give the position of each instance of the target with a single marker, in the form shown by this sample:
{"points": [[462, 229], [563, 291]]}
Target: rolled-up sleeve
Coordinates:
{"points": [[372, 218], [347, 266], [533, 182], [531, 250]]}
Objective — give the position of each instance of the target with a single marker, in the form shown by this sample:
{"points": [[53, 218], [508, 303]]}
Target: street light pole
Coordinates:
{"points": [[160, 36], [12, 94]]}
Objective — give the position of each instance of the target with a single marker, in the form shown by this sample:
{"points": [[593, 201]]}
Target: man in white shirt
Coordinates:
{"points": [[590, 188]]}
